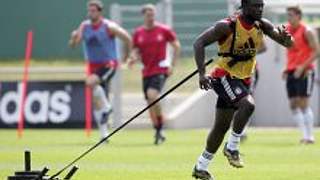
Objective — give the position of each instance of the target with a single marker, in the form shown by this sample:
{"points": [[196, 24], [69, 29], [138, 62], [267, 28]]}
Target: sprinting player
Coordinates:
{"points": [[238, 38], [299, 72], [99, 39], [150, 45]]}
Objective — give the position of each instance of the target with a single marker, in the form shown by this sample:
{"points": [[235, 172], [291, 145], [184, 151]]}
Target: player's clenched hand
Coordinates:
{"points": [[73, 39], [284, 75], [205, 82], [286, 37], [131, 61], [299, 72], [170, 71]]}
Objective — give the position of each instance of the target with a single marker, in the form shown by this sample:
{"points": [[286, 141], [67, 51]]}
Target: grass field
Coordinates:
{"points": [[269, 155]]}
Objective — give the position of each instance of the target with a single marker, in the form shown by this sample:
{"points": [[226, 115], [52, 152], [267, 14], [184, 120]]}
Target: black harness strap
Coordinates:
{"points": [[235, 58], [233, 42]]}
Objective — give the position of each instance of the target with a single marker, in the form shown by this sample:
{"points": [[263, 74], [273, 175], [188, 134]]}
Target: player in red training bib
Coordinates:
{"points": [[299, 72], [150, 46]]}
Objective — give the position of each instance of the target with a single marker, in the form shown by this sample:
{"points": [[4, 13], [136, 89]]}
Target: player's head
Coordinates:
{"points": [[252, 9], [95, 8], [149, 13], [294, 14]]}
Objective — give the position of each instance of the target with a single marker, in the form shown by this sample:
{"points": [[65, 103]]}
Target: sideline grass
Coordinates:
{"points": [[269, 155]]}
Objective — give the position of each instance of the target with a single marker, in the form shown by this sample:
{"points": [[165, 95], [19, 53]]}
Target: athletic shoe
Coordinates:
{"points": [[233, 157], [307, 141], [201, 174], [106, 141], [105, 116], [159, 138], [104, 120]]}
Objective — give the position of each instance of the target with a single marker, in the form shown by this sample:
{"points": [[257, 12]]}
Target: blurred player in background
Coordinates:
{"points": [[299, 72], [99, 37], [150, 46], [239, 38]]}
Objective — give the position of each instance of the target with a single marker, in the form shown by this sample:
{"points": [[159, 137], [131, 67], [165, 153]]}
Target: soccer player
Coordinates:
{"points": [[239, 38], [299, 72], [150, 45], [99, 37]]}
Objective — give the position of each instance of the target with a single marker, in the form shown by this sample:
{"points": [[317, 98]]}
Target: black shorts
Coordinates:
{"points": [[105, 75], [229, 91], [156, 82], [300, 87]]}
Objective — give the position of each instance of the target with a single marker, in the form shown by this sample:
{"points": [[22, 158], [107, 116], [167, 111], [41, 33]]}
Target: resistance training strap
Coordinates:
{"points": [[130, 120]]}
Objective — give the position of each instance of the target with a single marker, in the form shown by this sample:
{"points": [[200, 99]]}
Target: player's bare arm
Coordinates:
{"points": [[76, 37], [134, 57], [278, 34], [176, 51], [262, 48], [123, 35], [314, 45], [219, 31], [176, 54]]}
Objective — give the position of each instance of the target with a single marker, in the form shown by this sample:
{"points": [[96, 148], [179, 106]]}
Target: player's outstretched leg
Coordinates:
{"points": [[214, 140], [308, 118], [201, 174], [297, 116], [156, 115], [231, 150], [303, 116], [102, 110]]}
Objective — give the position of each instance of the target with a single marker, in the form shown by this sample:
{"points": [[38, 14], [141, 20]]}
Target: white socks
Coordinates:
{"points": [[234, 141], [100, 95], [309, 123], [204, 161], [305, 121], [103, 128], [297, 116]]}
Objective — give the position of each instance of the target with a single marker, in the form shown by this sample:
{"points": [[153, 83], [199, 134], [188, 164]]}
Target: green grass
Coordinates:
{"points": [[132, 80], [269, 155]]}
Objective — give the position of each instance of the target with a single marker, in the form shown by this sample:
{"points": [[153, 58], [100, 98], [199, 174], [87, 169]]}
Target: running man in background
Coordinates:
{"points": [[239, 38], [99, 37], [299, 72], [150, 46]]}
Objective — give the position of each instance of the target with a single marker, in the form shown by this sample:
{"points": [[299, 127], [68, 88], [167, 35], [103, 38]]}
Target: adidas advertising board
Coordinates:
{"points": [[47, 104]]}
